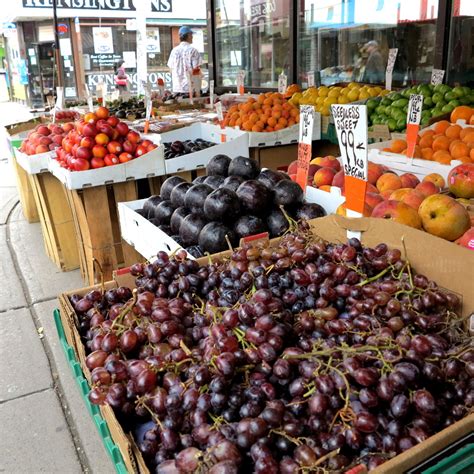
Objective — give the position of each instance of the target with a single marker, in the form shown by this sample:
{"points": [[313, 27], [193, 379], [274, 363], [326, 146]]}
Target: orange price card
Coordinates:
{"points": [[355, 189], [304, 157]]}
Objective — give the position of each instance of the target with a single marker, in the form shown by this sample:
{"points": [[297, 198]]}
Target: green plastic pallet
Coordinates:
{"points": [[111, 448], [461, 462]]}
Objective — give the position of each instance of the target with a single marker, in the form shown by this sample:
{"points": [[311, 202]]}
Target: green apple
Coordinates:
{"points": [[392, 125], [428, 102], [401, 123], [447, 109], [435, 112], [436, 97], [450, 96], [458, 91], [455, 103]]}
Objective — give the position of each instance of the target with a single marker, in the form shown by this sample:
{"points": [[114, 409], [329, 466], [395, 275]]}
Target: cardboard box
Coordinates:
{"points": [[146, 166], [236, 144], [34, 164], [402, 164], [330, 201], [453, 268], [141, 234]]}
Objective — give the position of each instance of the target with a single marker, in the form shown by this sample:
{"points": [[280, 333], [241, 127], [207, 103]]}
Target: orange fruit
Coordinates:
{"points": [[291, 122], [442, 156], [462, 112], [441, 126], [253, 117], [269, 129], [468, 137], [454, 142], [256, 128], [398, 145], [458, 150], [276, 114], [464, 159], [294, 112], [465, 131], [427, 133], [272, 121], [471, 154], [283, 122], [278, 127], [427, 153], [453, 131], [440, 143], [426, 141], [247, 126]]}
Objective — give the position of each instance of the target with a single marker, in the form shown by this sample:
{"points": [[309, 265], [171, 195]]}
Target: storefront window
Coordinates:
{"points": [[461, 44], [253, 36], [106, 44], [343, 41]]}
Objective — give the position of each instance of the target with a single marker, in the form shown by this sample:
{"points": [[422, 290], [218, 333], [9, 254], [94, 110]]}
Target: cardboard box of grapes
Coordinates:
{"points": [[451, 267]]}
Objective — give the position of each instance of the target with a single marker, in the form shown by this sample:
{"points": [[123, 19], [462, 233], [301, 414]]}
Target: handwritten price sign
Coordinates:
{"points": [[392, 57], [310, 78], [304, 145], [413, 122], [240, 82], [351, 128], [437, 76], [282, 83]]}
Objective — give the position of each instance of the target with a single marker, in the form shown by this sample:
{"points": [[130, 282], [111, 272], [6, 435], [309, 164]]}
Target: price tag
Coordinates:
{"points": [[240, 82], [211, 93], [413, 122], [149, 110], [59, 101], [220, 117], [392, 57], [90, 101], [304, 144], [351, 128], [437, 76], [310, 78], [282, 83]]}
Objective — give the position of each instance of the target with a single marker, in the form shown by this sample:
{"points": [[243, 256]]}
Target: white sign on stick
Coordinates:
{"points": [[351, 127], [392, 57], [282, 83], [437, 76]]}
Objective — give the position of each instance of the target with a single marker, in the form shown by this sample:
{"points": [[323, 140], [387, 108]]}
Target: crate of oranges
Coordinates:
{"points": [[270, 119], [439, 147]]}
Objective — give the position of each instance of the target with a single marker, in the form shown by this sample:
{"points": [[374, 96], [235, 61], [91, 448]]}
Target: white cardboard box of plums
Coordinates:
{"points": [[141, 234], [236, 144]]}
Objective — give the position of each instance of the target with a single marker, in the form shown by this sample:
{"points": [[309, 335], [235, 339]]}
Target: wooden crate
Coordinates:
{"points": [[276, 156], [95, 216], [56, 220], [27, 200]]}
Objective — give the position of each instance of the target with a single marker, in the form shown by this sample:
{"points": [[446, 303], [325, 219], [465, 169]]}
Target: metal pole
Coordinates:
{"points": [[57, 53]]}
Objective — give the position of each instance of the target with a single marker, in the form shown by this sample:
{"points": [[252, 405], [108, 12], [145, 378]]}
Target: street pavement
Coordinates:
{"points": [[45, 425]]}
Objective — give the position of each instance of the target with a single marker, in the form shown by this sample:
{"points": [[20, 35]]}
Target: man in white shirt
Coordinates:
{"points": [[183, 58]]}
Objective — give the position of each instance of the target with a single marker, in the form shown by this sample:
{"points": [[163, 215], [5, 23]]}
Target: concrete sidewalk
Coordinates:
{"points": [[44, 422]]}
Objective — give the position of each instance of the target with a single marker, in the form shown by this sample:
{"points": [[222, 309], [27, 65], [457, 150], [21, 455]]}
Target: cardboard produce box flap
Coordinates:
{"points": [[448, 264]]}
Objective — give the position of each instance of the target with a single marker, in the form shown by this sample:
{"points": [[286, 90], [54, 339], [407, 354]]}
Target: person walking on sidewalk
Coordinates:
{"points": [[183, 58], [120, 77]]}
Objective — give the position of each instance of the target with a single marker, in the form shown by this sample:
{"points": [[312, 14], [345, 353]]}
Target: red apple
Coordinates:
{"points": [[83, 153], [133, 136], [151, 147], [58, 139], [112, 121], [124, 157], [99, 151], [89, 130], [45, 140], [43, 130], [41, 149], [102, 112], [88, 142], [149, 142], [67, 127], [105, 128], [114, 147], [129, 146], [122, 128], [461, 181], [97, 162], [81, 165], [111, 159], [141, 150]]}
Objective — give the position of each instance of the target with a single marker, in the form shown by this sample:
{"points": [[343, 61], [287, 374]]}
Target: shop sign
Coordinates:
{"points": [[162, 6], [104, 60], [262, 10], [94, 79]]}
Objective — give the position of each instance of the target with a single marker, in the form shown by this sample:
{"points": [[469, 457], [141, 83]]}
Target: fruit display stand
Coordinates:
{"points": [[334, 229], [27, 200], [141, 234], [94, 211]]}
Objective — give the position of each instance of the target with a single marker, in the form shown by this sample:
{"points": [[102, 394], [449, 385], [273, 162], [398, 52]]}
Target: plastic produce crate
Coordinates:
{"points": [[111, 448]]}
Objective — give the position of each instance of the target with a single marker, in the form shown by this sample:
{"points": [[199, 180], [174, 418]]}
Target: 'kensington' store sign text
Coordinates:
{"points": [[164, 6]]}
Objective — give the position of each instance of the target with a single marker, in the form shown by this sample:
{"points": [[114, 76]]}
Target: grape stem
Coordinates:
{"points": [[127, 309], [375, 277]]}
